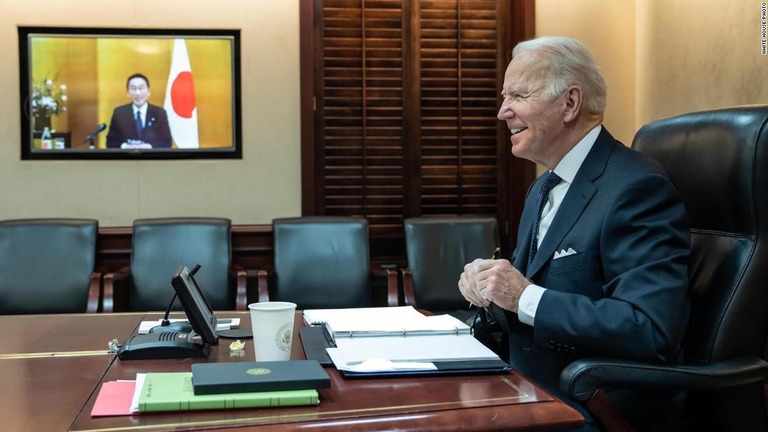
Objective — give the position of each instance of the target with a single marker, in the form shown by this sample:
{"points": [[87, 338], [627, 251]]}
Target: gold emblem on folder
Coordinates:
{"points": [[258, 371]]}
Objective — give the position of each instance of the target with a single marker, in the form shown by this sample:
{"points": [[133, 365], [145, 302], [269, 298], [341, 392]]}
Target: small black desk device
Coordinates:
{"points": [[165, 345], [173, 344], [179, 327]]}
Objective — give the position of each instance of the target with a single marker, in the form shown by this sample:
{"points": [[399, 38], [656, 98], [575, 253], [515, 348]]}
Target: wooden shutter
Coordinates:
{"points": [[362, 99], [402, 123], [459, 162]]}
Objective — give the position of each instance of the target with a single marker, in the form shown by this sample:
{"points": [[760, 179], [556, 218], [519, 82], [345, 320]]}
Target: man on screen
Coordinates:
{"points": [[139, 124]]}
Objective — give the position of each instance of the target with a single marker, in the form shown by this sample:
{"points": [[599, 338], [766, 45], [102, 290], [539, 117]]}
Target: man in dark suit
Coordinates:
{"points": [[606, 273], [139, 124]]}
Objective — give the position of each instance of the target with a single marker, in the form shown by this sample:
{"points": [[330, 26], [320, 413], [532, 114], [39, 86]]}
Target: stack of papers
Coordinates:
{"points": [[384, 321], [391, 339]]}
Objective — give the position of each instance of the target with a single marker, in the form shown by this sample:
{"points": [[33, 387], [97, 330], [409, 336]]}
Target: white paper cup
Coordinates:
{"points": [[272, 325]]}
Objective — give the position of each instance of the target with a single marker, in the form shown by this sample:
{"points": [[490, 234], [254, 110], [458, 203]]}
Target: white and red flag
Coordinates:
{"points": [[180, 104]]}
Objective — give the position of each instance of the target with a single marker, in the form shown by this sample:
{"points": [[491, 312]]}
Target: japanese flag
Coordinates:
{"points": [[180, 102]]}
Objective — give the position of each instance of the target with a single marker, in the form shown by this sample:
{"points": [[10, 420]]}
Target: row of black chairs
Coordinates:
{"points": [[48, 265]]}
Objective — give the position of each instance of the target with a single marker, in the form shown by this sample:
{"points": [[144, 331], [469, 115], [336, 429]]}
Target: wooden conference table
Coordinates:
{"points": [[52, 366]]}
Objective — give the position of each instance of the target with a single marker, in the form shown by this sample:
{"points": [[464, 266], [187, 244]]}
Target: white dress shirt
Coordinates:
{"points": [[566, 170]]}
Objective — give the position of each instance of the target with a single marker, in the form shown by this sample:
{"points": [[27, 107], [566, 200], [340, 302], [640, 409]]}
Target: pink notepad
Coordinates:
{"points": [[114, 399]]}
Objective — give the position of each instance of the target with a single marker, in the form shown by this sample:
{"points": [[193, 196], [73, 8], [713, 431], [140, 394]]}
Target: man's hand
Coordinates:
{"points": [[468, 284], [497, 281]]}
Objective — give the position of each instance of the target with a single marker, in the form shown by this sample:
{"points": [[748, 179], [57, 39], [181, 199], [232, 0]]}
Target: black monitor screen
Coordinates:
{"points": [[196, 306]]}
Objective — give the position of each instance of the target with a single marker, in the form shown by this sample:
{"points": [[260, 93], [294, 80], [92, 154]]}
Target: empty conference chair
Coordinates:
{"points": [[323, 262], [437, 249], [159, 247], [47, 266], [719, 162]]}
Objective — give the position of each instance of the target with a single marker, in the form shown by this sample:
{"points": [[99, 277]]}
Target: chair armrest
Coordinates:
{"points": [[408, 297], [263, 278], [115, 289], [94, 293], [392, 288], [241, 292], [582, 378]]}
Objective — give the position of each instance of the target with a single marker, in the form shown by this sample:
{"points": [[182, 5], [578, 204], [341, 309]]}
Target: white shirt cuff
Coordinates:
{"points": [[529, 302]]}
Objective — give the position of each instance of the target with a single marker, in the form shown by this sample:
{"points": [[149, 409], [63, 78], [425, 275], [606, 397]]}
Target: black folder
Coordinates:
{"points": [[459, 367], [242, 377], [315, 341]]}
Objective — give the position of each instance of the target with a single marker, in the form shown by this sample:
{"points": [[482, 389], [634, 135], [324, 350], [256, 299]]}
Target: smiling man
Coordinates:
{"points": [[601, 262], [139, 124]]}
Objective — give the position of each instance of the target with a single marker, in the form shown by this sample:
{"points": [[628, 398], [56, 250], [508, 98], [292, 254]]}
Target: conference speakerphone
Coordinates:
{"points": [[174, 344], [165, 345]]}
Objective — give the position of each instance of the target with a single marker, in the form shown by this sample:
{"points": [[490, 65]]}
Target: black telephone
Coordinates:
{"points": [[167, 345], [163, 344]]}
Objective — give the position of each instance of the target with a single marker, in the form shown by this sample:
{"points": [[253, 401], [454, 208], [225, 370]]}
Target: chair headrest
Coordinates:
{"points": [[717, 160]]}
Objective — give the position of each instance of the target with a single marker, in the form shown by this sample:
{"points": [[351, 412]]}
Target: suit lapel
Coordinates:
{"points": [[150, 116], [577, 198], [579, 194]]}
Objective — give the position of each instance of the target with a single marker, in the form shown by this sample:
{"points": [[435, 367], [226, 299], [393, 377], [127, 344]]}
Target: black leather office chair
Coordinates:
{"points": [[719, 162], [159, 247], [323, 262], [47, 266], [437, 249]]}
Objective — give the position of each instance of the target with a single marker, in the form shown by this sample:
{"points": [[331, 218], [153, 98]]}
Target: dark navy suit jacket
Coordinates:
{"points": [[123, 127], [624, 293]]}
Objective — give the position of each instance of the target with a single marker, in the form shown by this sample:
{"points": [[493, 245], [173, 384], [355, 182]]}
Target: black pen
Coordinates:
{"points": [[494, 255]]}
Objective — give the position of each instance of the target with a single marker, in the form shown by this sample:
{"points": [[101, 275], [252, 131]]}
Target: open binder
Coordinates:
{"points": [[384, 321], [394, 341]]}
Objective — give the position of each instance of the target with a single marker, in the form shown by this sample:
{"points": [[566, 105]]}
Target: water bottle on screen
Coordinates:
{"points": [[46, 139]]}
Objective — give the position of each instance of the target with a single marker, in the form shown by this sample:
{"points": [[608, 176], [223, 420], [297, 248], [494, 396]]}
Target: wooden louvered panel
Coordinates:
{"points": [[363, 101], [459, 162], [399, 101]]}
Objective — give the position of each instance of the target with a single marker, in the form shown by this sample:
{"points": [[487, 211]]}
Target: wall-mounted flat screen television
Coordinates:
{"points": [[118, 93]]}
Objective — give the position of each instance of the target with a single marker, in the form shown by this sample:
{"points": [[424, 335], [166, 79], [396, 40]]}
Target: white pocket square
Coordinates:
{"points": [[564, 253]]}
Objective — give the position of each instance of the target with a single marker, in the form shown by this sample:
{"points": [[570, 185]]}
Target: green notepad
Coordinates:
{"points": [[172, 391]]}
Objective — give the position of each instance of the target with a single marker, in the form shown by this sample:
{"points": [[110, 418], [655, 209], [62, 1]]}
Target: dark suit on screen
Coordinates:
{"points": [[123, 127], [624, 292]]}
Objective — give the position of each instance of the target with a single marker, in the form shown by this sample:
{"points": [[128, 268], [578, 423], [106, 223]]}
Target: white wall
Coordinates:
{"points": [[665, 57], [607, 28], [700, 55]]}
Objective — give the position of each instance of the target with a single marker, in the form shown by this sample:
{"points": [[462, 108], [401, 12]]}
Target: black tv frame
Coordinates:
{"points": [[25, 90], [199, 312]]}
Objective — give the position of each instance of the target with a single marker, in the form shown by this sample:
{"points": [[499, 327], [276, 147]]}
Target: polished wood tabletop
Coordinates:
{"points": [[50, 365], [52, 368]]}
